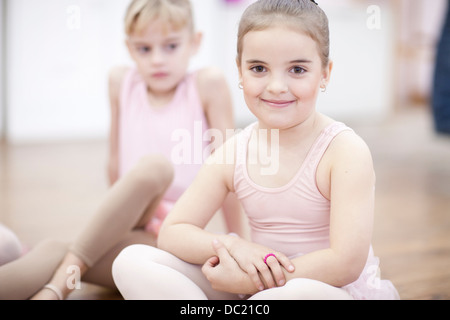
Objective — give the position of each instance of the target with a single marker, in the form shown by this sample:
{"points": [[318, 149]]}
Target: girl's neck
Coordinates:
{"points": [[160, 99], [308, 129]]}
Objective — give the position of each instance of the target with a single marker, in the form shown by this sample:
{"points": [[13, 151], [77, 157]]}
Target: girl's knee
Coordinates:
{"points": [[301, 284], [315, 290], [303, 289], [136, 254], [133, 262], [123, 262], [153, 171], [128, 254]]}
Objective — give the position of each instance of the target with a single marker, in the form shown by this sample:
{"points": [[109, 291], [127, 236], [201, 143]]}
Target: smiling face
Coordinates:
{"points": [[282, 73], [162, 55]]}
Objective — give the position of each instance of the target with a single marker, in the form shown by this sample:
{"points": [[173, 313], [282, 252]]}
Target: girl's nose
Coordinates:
{"points": [[157, 57], [277, 85]]}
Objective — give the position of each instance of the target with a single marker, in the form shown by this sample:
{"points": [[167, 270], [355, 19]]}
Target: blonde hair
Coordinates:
{"points": [[175, 14], [303, 15]]}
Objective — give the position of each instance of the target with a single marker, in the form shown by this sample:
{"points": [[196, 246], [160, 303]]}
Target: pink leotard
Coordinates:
{"points": [[175, 131], [295, 219]]}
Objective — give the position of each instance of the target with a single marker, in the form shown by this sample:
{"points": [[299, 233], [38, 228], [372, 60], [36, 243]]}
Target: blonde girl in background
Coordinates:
{"points": [[151, 104], [311, 219]]}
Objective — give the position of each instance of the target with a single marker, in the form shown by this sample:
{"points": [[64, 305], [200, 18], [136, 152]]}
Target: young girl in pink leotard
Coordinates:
{"points": [[152, 105], [310, 207]]}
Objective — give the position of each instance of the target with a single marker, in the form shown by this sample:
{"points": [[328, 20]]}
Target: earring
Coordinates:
{"points": [[241, 86], [323, 87]]}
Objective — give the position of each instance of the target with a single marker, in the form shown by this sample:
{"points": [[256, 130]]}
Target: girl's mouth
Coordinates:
{"points": [[279, 104], [160, 75]]}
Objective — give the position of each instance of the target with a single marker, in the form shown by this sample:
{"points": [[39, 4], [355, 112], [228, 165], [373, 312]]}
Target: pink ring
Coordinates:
{"points": [[269, 255]]}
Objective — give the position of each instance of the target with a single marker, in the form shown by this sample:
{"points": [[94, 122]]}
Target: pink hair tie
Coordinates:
{"points": [[269, 255]]}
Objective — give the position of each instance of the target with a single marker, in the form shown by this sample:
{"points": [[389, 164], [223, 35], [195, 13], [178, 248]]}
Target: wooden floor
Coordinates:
{"points": [[51, 190]]}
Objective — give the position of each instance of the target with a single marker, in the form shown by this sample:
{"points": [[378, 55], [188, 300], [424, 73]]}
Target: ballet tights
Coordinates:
{"points": [[118, 222], [147, 273]]}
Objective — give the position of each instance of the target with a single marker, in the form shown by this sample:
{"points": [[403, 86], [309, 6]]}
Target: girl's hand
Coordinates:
{"points": [[250, 257], [224, 273]]}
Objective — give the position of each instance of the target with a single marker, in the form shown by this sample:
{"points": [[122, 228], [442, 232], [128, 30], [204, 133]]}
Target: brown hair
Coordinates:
{"points": [[175, 14], [304, 15]]}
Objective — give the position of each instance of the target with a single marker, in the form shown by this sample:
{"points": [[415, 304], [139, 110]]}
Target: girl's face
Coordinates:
{"points": [[162, 57], [281, 72]]}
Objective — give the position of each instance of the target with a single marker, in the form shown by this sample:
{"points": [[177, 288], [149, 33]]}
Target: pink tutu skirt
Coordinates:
{"points": [[161, 213], [369, 285]]}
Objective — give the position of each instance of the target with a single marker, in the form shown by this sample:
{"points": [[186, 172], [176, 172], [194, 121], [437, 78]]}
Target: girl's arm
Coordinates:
{"points": [[114, 84], [183, 234], [351, 193], [216, 99]]}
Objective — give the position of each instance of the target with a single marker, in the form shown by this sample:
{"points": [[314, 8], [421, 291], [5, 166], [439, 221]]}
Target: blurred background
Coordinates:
{"points": [[55, 56]]}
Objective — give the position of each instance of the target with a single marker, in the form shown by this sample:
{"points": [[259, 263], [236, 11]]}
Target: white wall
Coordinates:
{"points": [[361, 87], [58, 63], [59, 54]]}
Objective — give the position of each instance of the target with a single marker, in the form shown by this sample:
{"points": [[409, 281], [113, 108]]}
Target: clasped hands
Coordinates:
{"points": [[241, 268]]}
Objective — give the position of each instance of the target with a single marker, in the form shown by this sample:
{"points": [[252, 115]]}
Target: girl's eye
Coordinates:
{"points": [[258, 69], [172, 46], [298, 70], [144, 49]]}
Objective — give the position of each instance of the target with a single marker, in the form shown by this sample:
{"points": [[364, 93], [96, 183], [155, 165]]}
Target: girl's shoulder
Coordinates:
{"points": [[349, 140], [211, 83], [207, 74], [117, 74], [346, 141], [222, 162], [347, 161], [116, 77], [348, 149]]}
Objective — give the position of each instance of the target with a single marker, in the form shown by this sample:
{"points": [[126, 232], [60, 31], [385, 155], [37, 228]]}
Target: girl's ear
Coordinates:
{"points": [[327, 72], [129, 47], [238, 64], [197, 39]]}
